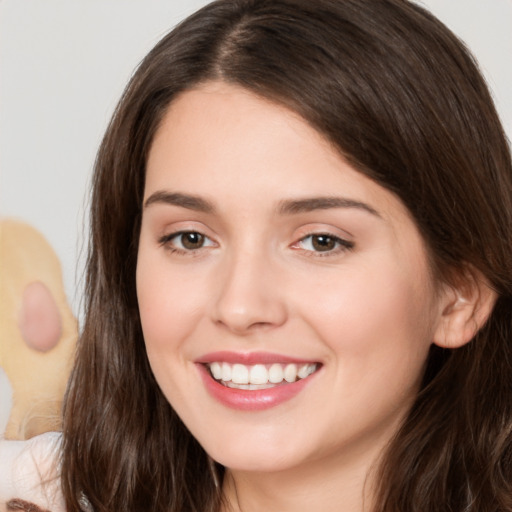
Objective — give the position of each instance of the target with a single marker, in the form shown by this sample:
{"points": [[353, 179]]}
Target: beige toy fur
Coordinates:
{"points": [[37, 330]]}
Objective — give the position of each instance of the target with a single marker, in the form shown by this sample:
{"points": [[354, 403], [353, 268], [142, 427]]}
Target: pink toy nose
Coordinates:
{"points": [[40, 321]]}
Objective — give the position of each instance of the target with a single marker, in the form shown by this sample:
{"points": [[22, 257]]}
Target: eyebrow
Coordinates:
{"points": [[294, 206], [286, 207], [184, 200]]}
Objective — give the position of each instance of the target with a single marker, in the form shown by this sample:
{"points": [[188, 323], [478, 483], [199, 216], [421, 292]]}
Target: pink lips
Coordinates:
{"points": [[249, 358], [250, 400]]}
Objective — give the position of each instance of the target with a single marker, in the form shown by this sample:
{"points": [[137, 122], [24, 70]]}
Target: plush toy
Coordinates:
{"points": [[29, 474], [37, 332], [37, 339]]}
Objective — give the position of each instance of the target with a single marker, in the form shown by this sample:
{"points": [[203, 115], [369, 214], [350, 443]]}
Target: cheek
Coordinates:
{"points": [[169, 309], [169, 304], [372, 315], [377, 331]]}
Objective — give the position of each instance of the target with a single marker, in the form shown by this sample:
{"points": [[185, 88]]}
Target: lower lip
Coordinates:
{"points": [[251, 400]]}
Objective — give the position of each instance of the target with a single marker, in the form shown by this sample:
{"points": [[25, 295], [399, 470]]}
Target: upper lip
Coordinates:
{"points": [[249, 358]]}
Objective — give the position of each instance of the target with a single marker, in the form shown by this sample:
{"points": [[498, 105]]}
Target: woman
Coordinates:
{"points": [[299, 280]]}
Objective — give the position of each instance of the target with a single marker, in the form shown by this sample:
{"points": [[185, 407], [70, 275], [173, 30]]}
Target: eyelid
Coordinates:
{"points": [[167, 241], [166, 230], [175, 234], [343, 243]]}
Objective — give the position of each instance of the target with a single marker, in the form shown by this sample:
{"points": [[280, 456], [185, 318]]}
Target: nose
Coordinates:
{"points": [[250, 297]]}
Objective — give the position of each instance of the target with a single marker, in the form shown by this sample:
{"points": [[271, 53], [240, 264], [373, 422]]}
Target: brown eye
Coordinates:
{"points": [[323, 243], [192, 240], [184, 242]]}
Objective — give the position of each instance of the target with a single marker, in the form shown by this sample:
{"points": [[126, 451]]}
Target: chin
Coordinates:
{"points": [[257, 454], [254, 462]]}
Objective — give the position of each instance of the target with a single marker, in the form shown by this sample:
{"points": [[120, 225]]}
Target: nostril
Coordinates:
{"points": [[244, 327]]}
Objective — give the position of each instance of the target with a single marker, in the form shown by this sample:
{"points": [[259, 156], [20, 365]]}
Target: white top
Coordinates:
{"points": [[5, 399], [29, 471]]}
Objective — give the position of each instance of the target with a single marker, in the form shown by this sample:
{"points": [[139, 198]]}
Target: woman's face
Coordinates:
{"points": [[300, 284]]}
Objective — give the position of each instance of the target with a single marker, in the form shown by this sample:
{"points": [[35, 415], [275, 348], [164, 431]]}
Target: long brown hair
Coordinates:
{"points": [[400, 97]]}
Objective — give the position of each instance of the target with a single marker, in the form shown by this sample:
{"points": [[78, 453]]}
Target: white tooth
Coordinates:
{"points": [[240, 374], [258, 374], [226, 372], [216, 370], [311, 368], [303, 372], [250, 387], [275, 374], [290, 373]]}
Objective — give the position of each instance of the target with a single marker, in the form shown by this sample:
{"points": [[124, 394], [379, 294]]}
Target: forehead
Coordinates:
{"points": [[232, 123], [222, 141]]}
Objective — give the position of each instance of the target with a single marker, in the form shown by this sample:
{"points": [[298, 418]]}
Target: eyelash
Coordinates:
{"points": [[167, 240], [341, 245]]}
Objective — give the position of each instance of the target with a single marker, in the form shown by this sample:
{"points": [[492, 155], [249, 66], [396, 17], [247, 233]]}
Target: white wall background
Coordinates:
{"points": [[64, 64]]}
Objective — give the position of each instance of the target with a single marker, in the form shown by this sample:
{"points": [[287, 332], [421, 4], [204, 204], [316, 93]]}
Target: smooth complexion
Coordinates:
{"points": [[258, 240]]}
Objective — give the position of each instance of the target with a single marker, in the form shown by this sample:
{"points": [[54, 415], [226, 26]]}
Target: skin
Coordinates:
{"points": [[367, 313]]}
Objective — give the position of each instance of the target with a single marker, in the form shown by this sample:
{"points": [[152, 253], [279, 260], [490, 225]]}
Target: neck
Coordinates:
{"points": [[326, 485]]}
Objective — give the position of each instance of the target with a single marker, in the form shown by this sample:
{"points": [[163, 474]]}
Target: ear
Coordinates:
{"points": [[464, 310]]}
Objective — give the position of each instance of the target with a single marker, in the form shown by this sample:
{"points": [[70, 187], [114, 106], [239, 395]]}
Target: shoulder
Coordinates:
{"points": [[29, 474]]}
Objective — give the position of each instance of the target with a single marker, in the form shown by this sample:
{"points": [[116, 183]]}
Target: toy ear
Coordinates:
{"points": [[40, 321]]}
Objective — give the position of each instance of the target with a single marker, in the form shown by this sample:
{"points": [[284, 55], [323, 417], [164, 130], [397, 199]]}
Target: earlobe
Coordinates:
{"points": [[464, 310]]}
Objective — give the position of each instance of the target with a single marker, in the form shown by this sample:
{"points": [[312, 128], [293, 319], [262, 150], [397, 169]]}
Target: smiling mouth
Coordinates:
{"points": [[259, 376]]}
